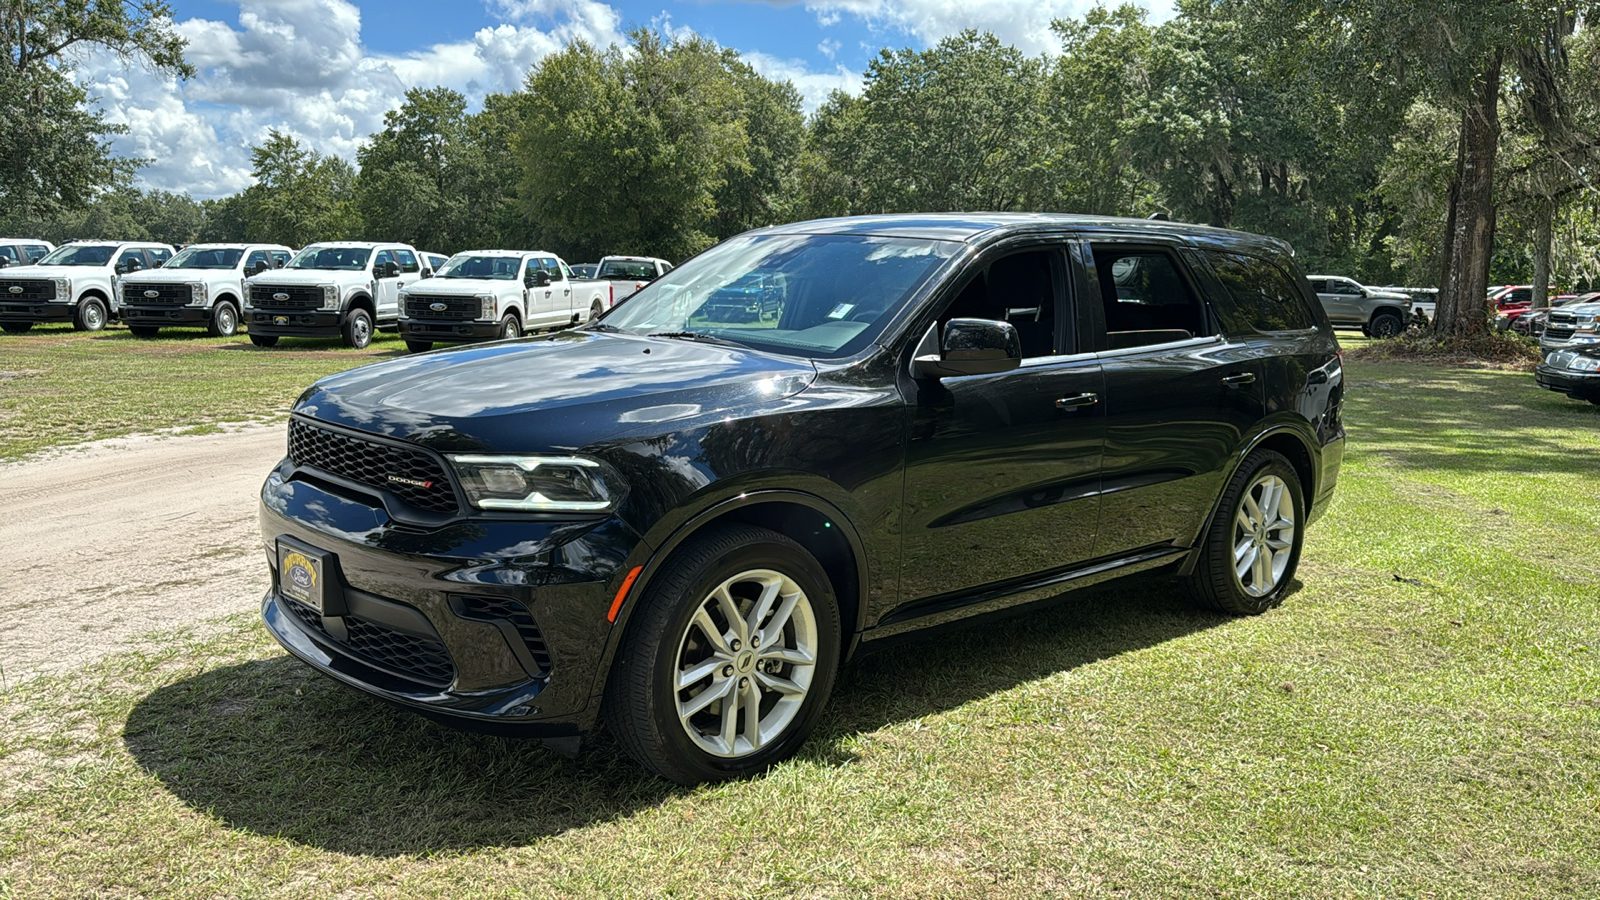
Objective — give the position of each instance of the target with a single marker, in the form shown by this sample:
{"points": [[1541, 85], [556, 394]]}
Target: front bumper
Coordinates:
{"points": [[448, 330], [1578, 385], [165, 315], [294, 322], [35, 311], [494, 625]]}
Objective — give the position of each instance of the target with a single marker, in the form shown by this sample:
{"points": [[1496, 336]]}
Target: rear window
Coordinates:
{"points": [[1263, 295]]}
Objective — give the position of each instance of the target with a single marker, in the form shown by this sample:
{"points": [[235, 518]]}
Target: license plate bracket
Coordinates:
{"points": [[310, 576]]}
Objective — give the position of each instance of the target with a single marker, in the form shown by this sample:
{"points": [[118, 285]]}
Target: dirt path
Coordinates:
{"points": [[122, 537]]}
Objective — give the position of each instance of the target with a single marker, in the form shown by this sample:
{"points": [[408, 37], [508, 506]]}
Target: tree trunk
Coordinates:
{"points": [[1470, 240], [1545, 213]]}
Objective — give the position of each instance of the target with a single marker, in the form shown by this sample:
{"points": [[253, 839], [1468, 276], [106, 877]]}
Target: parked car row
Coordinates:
{"points": [[342, 289]]}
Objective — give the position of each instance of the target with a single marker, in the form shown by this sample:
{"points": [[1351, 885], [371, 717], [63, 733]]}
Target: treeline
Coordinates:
{"points": [[1345, 136]]}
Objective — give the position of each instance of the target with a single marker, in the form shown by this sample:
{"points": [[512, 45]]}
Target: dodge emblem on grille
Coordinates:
{"points": [[413, 482], [280, 296], [16, 289], [152, 294], [438, 307]]}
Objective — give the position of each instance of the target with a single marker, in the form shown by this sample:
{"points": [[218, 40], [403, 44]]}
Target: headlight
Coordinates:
{"points": [[63, 289], [487, 307], [538, 483], [199, 293], [1587, 323], [330, 297], [1582, 363]]}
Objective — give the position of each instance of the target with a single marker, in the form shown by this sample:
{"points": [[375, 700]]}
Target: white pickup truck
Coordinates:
{"points": [[335, 289], [202, 287], [629, 274], [487, 294], [75, 283]]}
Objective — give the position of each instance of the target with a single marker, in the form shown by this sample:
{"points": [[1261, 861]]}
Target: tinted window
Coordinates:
{"points": [[384, 256], [279, 257], [408, 260], [10, 253], [314, 257], [207, 258], [627, 270], [550, 265], [258, 258], [35, 251], [1020, 289], [1263, 295], [80, 255], [131, 258], [1147, 300], [159, 254]]}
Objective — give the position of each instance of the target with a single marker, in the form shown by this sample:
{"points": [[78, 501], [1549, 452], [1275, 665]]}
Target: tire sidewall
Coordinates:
{"points": [[98, 320], [355, 335], [224, 320], [683, 595], [509, 328], [1386, 325], [1262, 462]]}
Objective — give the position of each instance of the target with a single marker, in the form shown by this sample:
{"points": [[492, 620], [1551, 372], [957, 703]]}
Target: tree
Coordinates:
{"points": [[54, 152], [300, 196], [414, 174]]}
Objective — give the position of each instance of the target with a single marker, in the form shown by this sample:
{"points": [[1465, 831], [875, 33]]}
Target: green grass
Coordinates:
{"points": [[1420, 719], [60, 387]]}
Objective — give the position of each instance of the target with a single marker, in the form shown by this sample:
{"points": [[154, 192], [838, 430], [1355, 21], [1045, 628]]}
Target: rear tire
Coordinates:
{"points": [[728, 660], [1386, 325], [144, 331], [16, 327], [91, 315], [1253, 545], [595, 310], [264, 340], [224, 320], [357, 329], [419, 346]]}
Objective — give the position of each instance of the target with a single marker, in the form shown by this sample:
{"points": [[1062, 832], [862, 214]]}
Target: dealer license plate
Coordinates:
{"points": [[302, 574], [280, 320]]}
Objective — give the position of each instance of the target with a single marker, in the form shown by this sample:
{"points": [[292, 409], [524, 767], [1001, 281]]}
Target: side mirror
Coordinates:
{"points": [[4, 261], [160, 263], [388, 270], [427, 273], [539, 278], [971, 347]]}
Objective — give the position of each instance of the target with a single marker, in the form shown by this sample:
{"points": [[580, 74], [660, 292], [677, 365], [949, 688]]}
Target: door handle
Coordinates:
{"points": [[1077, 402], [1239, 378]]}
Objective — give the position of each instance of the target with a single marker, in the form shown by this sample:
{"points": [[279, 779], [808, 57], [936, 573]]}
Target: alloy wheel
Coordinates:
{"points": [[1263, 535]]}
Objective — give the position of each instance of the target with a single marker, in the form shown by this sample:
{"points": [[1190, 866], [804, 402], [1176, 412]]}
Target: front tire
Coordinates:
{"points": [[357, 329], [729, 659], [224, 321], [264, 340], [144, 331], [1253, 545], [1386, 325], [91, 315], [510, 328], [419, 346]]}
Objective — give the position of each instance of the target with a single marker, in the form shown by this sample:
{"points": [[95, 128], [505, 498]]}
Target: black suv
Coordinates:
{"points": [[681, 521]]}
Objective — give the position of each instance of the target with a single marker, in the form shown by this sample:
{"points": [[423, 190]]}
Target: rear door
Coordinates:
{"points": [[1180, 395]]}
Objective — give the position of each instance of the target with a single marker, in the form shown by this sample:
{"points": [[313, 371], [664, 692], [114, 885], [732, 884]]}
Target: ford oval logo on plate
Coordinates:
{"points": [[438, 307], [152, 294], [280, 296]]}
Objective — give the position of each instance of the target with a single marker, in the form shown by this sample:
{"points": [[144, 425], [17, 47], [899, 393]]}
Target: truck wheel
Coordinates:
{"points": [[264, 340], [145, 331], [224, 320], [358, 329], [595, 310], [729, 658], [1253, 545], [17, 327], [419, 346], [1386, 325], [91, 315], [509, 328]]}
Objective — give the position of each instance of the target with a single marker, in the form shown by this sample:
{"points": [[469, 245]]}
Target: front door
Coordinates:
{"points": [[1003, 471], [386, 287]]}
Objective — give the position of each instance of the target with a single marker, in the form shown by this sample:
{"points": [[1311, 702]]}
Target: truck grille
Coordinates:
{"points": [[299, 296], [421, 659], [31, 290], [418, 307], [413, 475], [165, 294]]}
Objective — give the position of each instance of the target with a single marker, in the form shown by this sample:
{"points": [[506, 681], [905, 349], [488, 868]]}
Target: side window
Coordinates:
{"points": [[408, 260], [1019, 288], [1146, 298], [131, 257], [159, 255], [1262, 294], [280, 258], [1319, 285], [1346, 288], [10, 253], [551, 266], [384, 256], [36, 252], [257, 259]]}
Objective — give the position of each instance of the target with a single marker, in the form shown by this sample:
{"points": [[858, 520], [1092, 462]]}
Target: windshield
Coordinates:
{"points": [[314, 257], [467, 265], [812, 295], [206, 258], [80, 255], [628, 271]]}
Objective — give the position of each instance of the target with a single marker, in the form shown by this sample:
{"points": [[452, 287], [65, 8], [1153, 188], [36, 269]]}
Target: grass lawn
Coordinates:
{"points": [[1420, 719], [59, 387]]}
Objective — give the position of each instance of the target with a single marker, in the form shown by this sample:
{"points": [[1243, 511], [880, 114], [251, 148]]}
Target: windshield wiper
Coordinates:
{"points": [[697, 336]]}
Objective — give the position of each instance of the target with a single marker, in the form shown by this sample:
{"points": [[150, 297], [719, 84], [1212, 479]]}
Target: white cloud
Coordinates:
{"points": [[814, 87], [1024, 24], [829, 48]]}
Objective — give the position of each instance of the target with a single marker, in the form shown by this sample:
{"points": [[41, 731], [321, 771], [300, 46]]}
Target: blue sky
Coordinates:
{"points": [[326, 71]]}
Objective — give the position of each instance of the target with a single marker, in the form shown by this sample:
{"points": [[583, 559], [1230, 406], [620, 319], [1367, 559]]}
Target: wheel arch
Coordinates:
{"points": [[1285, 440], [361, 301], [1387, 310]]}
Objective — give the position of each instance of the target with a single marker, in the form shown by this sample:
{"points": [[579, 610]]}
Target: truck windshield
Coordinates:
{"points": [[467, 265], [206, 258], [811, 295], [80, 255], [350, 258], [627, 270]]}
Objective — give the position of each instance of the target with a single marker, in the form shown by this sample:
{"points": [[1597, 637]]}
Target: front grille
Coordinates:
{"points": [[1558, 332], [410, 656], [494, 609], [299, 296], [415, 476], [165, 294], [31, 290], [417, 307]]}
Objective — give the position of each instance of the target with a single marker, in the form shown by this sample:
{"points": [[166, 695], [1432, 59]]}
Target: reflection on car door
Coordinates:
{"points": [[1179, 396], [1003, 471]]}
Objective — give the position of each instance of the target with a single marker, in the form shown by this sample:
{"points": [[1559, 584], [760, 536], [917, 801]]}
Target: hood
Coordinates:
{"points": [[1577, 309], [178, 276], [311, 276], [1388, 295], [54, 271], [464, 287], [552, 393]]}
